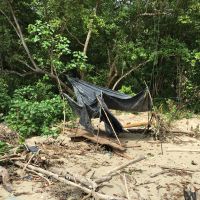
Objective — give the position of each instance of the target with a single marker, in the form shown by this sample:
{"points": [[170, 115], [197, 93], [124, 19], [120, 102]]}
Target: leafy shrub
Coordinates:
{"points": [[34, 110]]}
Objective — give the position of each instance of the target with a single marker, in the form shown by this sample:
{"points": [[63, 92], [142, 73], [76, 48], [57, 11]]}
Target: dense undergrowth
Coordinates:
{"points": [[35, 109]]}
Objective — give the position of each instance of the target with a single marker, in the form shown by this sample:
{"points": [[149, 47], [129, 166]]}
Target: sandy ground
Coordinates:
{"points": [[81, 157]]}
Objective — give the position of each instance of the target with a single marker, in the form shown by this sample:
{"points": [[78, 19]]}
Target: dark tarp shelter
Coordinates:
{"points": [[95, 101]]}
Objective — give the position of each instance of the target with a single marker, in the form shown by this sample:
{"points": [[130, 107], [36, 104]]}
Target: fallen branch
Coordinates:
{"points": [[77, 178], [181, 132], [179, 169], [108, 176], [63, 180], [183, 150], [126, 165], [144, 183], [126, 186], [132, 146], [25, 166]]}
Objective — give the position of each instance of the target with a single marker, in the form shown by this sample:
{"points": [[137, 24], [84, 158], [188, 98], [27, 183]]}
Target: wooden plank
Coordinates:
{"points": [[102, 140]]}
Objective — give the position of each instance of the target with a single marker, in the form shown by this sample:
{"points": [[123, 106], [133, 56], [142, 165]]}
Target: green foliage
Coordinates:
{"points": [[34, 110], [127, 90], [79, 62], [54, 48], [52, 45]]}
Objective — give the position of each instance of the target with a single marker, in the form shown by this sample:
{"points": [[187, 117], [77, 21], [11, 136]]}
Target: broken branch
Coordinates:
{"points": [[108, 176], [126, 165]]}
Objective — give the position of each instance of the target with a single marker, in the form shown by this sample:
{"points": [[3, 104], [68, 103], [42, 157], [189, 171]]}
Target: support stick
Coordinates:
{"points": [[109, 122]]}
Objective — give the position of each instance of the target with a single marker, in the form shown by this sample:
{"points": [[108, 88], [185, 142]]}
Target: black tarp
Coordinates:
{"points": [[95, 101]]}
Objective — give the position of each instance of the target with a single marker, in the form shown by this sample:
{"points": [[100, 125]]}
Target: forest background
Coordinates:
{"points": [[119, 44]]}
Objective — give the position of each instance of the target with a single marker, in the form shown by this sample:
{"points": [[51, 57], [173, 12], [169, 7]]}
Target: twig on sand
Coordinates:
{"points": [[126, 164], [145, 183], [126, 186], [25, 166], [40, 175], [159, 173], [183, 150], [161, 146], [179, 169], [34, 154]]}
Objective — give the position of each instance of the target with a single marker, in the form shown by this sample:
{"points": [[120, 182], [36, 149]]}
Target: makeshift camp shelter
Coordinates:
{"points": [[94, 102]]}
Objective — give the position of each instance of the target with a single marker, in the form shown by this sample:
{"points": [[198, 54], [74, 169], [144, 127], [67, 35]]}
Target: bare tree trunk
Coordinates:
{"points": [[85, 48], [18, 28], [87, 41]]}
